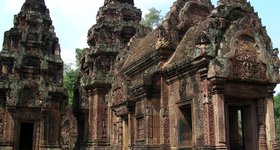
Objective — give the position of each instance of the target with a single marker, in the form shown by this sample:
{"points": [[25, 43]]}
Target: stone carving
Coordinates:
{"points": [[32, 69], [246, 64], [28, 96], [117, 96], [1, 128], [218, 52], [183, 89], [163, 40], [69, 131]]}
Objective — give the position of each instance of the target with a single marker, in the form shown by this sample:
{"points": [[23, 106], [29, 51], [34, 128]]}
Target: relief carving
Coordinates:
{"points": [[1, 128], [28, 96], [183, 89], [117, 96], [245, 55], [68, 131]]}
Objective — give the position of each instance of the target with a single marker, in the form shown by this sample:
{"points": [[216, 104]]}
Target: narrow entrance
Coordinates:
{"points": [[26, 136], [236, 134], [185, 126], [241, 127]]}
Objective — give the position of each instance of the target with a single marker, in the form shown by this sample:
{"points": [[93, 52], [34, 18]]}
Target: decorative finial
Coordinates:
{"points": [[35, 5], [230, 2], [131, 2]]}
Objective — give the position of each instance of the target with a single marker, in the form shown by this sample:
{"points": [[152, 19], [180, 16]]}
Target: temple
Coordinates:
{"points": [[33, 102], [203, 79]]}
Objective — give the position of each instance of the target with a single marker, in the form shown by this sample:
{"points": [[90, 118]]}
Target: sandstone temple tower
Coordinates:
{"points": [[117, 21], [203, 79], [32, 97]]}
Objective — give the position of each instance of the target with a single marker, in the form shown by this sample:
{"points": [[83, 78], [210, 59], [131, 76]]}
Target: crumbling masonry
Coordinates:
{"points": [[203, 79]]}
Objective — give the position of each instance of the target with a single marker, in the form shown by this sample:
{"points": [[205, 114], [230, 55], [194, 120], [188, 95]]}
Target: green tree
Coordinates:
{"points": [[70, 80], [79, 53], [71, 76], [152, 19], [277, 115]]}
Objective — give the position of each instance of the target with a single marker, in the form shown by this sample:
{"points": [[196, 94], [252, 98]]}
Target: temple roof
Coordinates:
{"points": [[181, 17], [212, 37], [33, 32], [142, 48], [34, 5], [131, 2]]}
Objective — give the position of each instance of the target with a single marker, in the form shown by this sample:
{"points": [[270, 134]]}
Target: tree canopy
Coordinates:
{"points": [[152, 19], [277, 114], [71, 76]]}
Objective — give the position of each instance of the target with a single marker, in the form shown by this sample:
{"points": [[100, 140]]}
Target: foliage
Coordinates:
{"points": [[152, 19], [277, 115], [71, 76], [70, 79], [79, 53]]}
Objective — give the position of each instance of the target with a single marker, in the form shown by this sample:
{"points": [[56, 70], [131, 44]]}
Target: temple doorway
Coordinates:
{"points": [[185, 126], [26, 136], [241, 127]]}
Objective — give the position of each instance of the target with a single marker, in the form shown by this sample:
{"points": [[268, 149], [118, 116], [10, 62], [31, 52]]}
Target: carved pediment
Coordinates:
{"points": [[246, 62], [119, 90]]}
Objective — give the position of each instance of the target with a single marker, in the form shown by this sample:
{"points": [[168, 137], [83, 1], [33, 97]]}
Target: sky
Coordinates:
{"points": [[73, 18]]}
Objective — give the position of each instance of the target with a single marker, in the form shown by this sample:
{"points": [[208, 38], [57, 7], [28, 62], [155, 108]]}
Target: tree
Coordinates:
{"points": [[79, 53], [277, 115], [152, 19], [71, 76], [70, 80]]}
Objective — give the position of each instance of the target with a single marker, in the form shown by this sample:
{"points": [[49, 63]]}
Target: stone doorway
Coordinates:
{"points": [[26, 136], [241, 127], [185, 127]]}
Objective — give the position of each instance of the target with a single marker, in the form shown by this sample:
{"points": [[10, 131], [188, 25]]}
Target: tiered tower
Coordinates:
{"points": [[117, 21], [31, 82]]}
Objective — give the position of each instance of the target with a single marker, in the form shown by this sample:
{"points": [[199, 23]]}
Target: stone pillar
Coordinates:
{"points": [[85, 129], [219, 114], [164, 117], [126, 135], [7, 141], [131, 130], [91, 118], [270, 122], [261, 125], [42, 130], [99, 118]]}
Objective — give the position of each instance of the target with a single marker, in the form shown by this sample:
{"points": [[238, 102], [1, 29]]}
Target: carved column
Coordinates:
{"points": [[41, 126], [86, 129], [261, 125], [91, 118], [45, 129], [98, 116], [148, 119], [208, 120], [270, 122], [219, 113], [131, 130], [164, 111]]}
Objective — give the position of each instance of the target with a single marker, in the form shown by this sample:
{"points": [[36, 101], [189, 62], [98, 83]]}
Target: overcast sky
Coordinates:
{"points": [[73, 18]]}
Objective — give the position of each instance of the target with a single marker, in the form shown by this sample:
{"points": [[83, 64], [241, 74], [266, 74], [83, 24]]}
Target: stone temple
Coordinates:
{"points": [[203, 79]]}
